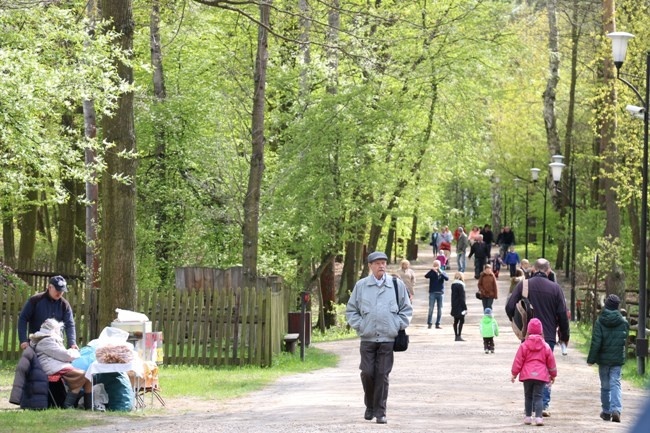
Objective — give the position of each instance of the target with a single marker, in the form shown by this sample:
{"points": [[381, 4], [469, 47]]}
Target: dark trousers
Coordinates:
{"points": [[488, 343], [376, 365], [458, 325], [533, 390], [513, 269], [479, 264]]}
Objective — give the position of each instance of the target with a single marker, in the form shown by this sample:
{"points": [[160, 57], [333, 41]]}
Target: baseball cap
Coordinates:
{"points": [[59, 283]]}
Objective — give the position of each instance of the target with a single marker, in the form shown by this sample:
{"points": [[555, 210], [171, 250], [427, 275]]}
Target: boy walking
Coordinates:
{"points": [[489, 329], [607, 349]]}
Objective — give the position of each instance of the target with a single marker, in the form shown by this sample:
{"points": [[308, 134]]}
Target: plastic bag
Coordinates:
{"points": [[87, 357], [110, 335], [130, 316]]}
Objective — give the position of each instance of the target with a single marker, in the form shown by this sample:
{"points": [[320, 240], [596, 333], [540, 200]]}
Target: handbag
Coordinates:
{"points": [[478, 295], [402, 340]]}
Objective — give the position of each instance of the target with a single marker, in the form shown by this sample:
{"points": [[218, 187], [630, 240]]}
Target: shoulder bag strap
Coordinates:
{"points": [[524, 289], [396, 295]]}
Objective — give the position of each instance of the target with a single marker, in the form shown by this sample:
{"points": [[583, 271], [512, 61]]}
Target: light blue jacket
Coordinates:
{"points": [[374, 312]]}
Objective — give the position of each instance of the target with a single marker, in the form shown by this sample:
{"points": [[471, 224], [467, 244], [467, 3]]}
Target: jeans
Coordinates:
{"points": [[462, 261], [610, 388], [487, 303], [376, 365], [547, 387], [533, 397], [435, 298]]}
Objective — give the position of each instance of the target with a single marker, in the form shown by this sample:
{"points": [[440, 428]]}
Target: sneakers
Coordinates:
{"points": [[528, 420], [491, 351], [487, 351], [539, 421], [605, 416], [616, 417], [546, 413], [429, 326], [438, 327], [458, 338]]}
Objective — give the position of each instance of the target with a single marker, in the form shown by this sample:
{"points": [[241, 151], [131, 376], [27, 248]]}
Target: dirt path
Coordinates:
{"points": [[438, 385]]}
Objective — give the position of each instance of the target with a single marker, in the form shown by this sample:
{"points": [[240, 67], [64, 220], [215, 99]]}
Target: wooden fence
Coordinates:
{"points": [[212, 326]]}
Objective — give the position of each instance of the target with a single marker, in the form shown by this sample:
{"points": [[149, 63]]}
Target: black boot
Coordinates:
{"points": [[88, 401], [71, 400]]}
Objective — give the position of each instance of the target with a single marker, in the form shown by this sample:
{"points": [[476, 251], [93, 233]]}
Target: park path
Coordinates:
{"points": [[438, 385]]}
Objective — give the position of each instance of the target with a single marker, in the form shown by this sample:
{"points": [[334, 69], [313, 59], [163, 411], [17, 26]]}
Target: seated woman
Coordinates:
{"points": [[55, 359]]}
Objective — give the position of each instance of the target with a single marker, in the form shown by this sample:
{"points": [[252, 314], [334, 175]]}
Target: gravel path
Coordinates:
{"points": [[438, 385]]}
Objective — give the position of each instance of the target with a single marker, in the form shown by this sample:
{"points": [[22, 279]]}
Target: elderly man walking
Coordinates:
{"points": [[461, 249], [378, 308], [548, 301]]}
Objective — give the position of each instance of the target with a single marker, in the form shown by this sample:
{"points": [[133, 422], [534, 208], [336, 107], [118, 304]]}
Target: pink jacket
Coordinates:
{"points": [[534, 360]]}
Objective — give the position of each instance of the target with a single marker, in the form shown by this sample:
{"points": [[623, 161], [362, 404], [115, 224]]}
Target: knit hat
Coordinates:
{"points": [[51, 326], [488, 311], [612, 302], [535, 327]]}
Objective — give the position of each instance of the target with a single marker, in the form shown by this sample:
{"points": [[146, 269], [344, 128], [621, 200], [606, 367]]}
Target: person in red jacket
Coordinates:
{"points": [[535, 365]]}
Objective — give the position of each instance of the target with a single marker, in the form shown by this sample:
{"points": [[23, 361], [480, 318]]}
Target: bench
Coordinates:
{"points": [[290, 341]]}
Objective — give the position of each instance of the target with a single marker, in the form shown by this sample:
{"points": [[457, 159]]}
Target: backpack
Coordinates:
{"points": [[524, 311]]}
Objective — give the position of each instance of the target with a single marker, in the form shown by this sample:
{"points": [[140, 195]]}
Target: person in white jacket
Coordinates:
{"points": [[48, 345]]}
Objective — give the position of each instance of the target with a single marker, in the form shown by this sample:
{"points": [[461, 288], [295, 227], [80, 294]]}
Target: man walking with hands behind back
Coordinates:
{"points": [[377, 314], [548, 302]]}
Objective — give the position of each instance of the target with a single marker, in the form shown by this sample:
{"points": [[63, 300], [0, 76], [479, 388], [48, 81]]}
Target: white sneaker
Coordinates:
{"points": [[528, 420]]}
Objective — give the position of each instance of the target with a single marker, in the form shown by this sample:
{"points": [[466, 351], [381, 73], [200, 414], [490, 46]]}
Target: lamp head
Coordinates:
{"points": [[534, 173], [619, 46], [556, 171]]}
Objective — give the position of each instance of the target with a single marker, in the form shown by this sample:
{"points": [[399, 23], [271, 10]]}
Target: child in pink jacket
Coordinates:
{"points": [[535, 365]]}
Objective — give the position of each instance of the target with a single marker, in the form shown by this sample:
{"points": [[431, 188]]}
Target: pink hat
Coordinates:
{"points": [[535, 327]]}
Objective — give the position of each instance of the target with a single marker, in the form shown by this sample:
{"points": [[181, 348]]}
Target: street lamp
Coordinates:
{"points": [[556, 168], [619, 48]]}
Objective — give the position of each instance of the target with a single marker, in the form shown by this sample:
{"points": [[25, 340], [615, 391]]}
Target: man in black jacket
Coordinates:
{"points": [[548, 302], [481, 252]]}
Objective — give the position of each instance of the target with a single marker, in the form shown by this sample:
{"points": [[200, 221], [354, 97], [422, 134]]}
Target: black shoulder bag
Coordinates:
{"points": [[402, 339]]}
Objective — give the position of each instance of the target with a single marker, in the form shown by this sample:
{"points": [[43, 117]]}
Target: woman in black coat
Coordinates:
{"points": [[458, 305]]}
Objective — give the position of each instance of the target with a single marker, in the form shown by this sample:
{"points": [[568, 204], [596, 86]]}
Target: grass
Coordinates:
{"points": [[581, 339], [178, 381]]}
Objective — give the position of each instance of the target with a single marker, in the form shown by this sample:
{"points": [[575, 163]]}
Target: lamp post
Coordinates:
{"points": [[619, 48], [534, 173], [527, 194]]}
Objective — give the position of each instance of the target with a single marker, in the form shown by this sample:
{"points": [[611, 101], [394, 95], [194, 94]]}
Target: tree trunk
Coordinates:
{"points": [[163, 212], [28, 233], [412, 247], [550, 119], [91, 214], [119, 195], [252, 200], [614, 277], [328, 293], [8, 239]]}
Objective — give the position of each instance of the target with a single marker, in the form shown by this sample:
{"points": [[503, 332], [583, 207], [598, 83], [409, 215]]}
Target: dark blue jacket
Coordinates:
{"points": [[436, 281], [41, 307], [31, 386]]}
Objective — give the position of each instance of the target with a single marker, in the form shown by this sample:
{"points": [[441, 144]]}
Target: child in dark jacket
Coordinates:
{"points": [[534, 363], [608, 339]]}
